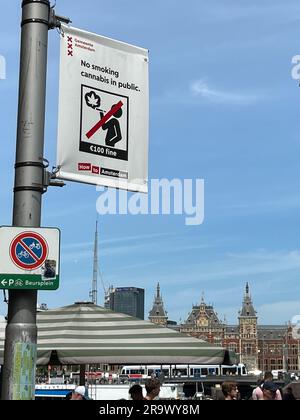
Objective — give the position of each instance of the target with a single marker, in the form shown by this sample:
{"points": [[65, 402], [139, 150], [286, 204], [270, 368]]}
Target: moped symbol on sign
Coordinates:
{"points": [[29, 251]]}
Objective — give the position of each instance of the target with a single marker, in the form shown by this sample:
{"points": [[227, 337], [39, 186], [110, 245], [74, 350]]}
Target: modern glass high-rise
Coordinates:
{"points": [[128, 300]]}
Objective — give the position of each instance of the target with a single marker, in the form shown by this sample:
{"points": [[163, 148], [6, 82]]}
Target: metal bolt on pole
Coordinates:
{"points": [[21, 330]]}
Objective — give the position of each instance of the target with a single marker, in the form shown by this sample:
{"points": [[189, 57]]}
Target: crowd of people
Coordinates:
{"points": [[265, 390], [152, 387]]}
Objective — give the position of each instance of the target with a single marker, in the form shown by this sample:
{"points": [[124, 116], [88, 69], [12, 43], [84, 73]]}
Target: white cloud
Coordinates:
{"points": [[252, 11], [257, 262], [139, 244], [179, 305], [136, 238], [278, 312], [284, 203], [267, 272], [235, 267], [201, 89], [262, 261], [58, 212]]}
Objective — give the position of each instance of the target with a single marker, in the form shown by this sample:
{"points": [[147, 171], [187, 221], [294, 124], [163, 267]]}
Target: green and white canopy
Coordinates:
{"points": [[87, 334]]}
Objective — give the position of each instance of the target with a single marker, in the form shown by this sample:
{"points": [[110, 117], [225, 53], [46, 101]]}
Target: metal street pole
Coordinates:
{"points": [[298, 354], [263, 354], [285, 352], [21, 330]]}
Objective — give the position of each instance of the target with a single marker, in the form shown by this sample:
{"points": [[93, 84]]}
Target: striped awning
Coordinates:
{"points": [[86, 334]]}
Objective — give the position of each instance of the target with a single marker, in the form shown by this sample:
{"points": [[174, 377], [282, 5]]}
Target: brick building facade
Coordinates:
{"points": [[263, 347]]}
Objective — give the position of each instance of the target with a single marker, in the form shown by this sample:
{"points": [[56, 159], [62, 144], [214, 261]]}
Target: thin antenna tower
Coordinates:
{"points": [[94, 292]]}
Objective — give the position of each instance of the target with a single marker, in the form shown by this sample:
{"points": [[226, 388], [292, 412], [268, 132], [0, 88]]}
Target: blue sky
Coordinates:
{"points": [[224, 108]]}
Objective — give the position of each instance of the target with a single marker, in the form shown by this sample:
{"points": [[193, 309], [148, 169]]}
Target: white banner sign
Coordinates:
{"points": [[103, 112]]}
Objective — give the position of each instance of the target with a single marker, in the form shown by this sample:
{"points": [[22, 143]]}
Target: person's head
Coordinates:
{"points": [[136, 392], [69, 395], [78, 393], [288, 394], [268, 376], [230, 390], [119, 113], [269, 390], [152, 387], [259, 382]]}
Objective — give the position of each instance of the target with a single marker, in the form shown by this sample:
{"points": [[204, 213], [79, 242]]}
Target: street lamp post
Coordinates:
{"points": [[21, 330], [285, 352], [298, 354], [263, 353], [30, 182]]}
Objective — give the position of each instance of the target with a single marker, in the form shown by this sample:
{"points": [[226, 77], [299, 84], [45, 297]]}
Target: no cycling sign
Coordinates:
{"points": [[29, 258], [29, 251]]}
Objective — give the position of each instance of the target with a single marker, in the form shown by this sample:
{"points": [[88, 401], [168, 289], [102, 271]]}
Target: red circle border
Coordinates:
{"points": [[41, 261]]}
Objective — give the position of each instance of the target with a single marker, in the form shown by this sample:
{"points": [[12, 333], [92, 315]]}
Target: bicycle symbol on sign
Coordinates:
{"points": [[23, 254], [35, 246], [19, 283]]}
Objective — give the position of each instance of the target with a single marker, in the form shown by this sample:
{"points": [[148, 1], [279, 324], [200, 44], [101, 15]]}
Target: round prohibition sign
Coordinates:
{"points": [[29, 250]]}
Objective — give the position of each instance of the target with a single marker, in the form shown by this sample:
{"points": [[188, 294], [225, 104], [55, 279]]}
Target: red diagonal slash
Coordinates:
{"points": [[104, 120]]}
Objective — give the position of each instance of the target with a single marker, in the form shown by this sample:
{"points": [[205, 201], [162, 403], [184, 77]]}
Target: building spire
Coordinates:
{"points": [[158, 315], [247, 309], [247, 292], [158, 292]]}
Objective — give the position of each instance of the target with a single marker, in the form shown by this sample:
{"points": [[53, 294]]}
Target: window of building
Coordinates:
{"points": [[293, 363], [248, 349], [280, 363], [272, 348], [233, 347]]}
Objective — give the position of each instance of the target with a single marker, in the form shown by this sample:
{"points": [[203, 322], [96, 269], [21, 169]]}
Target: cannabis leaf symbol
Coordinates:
{"points": [[92, 100]]}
